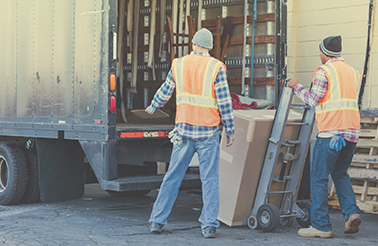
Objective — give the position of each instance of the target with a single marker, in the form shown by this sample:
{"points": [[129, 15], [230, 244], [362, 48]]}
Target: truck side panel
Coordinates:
{"points": [[65, 65], [54, 68], [7, 63]]}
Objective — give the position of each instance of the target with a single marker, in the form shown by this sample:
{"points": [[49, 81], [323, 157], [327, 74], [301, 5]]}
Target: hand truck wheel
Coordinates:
{"points": [[268, 217], [306, 220], [252, 222], [288, 221]]}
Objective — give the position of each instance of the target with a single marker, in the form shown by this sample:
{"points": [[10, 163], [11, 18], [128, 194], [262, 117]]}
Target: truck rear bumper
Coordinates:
{"points": [[149, 182], [142, 131]]}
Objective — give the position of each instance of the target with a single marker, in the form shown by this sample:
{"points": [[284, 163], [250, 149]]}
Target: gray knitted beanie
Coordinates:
{"points": [[203, 38], [331, 46]]}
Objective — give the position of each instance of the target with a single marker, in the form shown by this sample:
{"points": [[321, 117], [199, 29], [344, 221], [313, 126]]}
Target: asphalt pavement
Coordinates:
{"points": [[100, 219]]}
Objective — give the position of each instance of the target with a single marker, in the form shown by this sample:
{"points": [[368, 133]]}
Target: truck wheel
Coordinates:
{"points": [[268, 217], [306, 208], [13, 174], [32, 192]]}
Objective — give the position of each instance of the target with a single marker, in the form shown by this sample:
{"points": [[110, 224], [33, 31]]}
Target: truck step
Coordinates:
{"points": [[149, 182]]}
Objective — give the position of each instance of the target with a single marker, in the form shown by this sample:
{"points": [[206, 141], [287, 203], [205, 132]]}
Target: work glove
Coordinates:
{"points": [[230, 140], [337, 143], [174, 137]]}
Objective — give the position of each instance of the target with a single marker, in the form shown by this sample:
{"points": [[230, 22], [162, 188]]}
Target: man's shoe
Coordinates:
{"points": [[156, 228], [209, 232], [312, 232], [352, 224]]}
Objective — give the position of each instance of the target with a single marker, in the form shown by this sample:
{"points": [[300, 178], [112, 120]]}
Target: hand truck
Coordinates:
{"points": [[267, 216]]}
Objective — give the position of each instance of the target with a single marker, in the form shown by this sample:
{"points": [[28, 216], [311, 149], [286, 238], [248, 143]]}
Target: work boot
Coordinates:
{"points": [[156, 228], [352, 224], [312, 232], [209, 232]]}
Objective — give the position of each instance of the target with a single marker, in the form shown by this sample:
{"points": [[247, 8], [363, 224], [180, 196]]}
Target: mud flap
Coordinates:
{"points": [[61, 169]]}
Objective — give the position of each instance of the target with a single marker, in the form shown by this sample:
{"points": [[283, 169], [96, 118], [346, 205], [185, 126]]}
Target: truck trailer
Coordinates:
{"points": [[75, 77]]}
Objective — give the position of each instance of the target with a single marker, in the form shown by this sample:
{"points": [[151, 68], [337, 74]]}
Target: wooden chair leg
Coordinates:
{"points": [[191, 25], [217, 39], [171, 38], [225, 41]]}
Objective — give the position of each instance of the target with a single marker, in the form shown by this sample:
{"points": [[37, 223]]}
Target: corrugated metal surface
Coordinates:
{"points": [[8, 59]]}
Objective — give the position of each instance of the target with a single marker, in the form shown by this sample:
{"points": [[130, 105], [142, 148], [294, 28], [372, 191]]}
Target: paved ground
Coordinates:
{"points": [[99, 219]]}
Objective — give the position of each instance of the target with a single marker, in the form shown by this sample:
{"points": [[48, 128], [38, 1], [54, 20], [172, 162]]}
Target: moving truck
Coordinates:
{"points": [[69, 113]]}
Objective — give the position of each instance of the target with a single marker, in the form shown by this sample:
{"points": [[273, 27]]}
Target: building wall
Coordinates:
{"points": [[309, 22]]}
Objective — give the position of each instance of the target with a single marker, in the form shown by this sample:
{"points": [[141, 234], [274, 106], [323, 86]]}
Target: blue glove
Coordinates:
{"points": [[337, 143]]}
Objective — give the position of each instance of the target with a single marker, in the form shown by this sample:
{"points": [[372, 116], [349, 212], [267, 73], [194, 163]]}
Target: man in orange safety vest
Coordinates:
{"points": [[202, 101], [334, 94]]}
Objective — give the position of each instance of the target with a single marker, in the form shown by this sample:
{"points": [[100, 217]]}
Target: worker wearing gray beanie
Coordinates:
{"points": [[331, 46], [203, 100], [203, 38]]}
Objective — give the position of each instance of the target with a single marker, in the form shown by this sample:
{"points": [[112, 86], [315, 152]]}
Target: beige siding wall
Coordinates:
{"points": [[309, 22]]}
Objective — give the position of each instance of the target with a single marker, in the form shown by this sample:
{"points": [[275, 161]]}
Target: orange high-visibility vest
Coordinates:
{"points": [[195, 96], [338, 109]]}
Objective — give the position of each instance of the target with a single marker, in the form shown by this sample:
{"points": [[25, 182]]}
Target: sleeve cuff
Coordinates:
{"points": [[230, 132], [297, 88], [154, 107]]}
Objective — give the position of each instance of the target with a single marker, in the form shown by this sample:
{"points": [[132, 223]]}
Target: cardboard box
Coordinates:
{"points": [[241, 164]]}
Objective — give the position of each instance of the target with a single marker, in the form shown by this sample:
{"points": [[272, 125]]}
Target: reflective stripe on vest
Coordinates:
{"points": [[196, 100], [336, 102], [204, 100], [357, 79]]}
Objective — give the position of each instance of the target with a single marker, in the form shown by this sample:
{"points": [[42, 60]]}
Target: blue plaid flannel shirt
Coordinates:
{"points": [[224, 103]]}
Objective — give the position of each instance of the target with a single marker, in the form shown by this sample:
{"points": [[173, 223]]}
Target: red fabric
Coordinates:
{"points": [[237, 104]]}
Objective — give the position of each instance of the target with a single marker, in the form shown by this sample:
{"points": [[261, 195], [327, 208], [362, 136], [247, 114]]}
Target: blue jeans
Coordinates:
{"points": [[327, 161], [208, 155]]}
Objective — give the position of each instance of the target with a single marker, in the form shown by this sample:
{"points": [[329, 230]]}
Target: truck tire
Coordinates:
{"points": [[13, 174], [32, 192]]}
